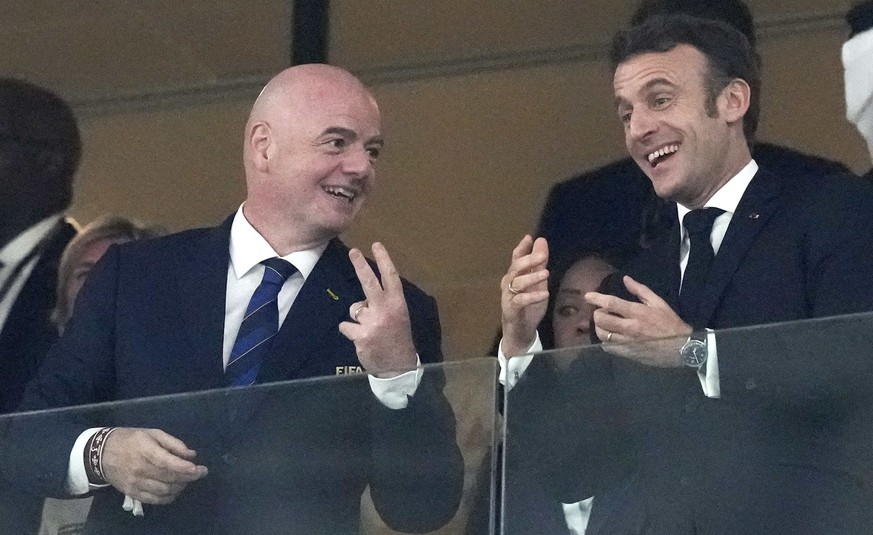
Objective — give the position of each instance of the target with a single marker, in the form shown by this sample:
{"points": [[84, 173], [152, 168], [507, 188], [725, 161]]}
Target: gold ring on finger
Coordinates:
{"points": [[512, 290]]}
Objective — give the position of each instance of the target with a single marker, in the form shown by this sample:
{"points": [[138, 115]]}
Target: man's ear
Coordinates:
{"points": [[734, 100], [260, 145]]}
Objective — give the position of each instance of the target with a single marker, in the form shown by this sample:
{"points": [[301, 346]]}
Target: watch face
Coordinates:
{"points": [[694, 353]]}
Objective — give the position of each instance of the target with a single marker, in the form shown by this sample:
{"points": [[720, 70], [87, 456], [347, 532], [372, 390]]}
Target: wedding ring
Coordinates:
{"points": [[512, 290], [608, 337], [358, 311]]}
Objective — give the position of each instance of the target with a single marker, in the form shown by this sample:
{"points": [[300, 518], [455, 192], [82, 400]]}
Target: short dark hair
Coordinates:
{"points": [[727, 52], [733, 12], [39, 137]]}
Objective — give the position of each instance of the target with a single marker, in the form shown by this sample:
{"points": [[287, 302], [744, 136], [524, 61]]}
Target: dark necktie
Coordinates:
{"points": [[698, 223], [259, 326]]}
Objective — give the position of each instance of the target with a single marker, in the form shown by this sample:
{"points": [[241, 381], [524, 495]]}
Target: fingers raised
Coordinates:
{"points": [[390, 277], [370, 284]]}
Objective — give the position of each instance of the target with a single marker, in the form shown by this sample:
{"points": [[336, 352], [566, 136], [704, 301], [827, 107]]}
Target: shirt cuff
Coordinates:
{"points": [[577, 515], [77, 478], [394, 392], [708, 374], [512, 369]]}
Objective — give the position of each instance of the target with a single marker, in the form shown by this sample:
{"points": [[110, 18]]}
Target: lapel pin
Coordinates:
{"points": [[333, 296], [754, 215]]}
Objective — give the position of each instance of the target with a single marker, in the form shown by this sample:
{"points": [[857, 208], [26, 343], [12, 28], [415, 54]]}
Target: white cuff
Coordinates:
{"points": [[515, 367], [394, 392], [708, 374], [77, 478]]}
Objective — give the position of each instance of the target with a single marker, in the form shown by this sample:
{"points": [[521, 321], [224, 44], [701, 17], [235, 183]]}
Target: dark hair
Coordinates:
{"points": [[732, 12], [860, 18], [39, 138], [727, 51], [561, 265]]}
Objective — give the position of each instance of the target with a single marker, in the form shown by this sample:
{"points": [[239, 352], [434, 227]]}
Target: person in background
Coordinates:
{"points": [[571, 316], [40, 150], [858, 64], [67, 517], [83, 252]]}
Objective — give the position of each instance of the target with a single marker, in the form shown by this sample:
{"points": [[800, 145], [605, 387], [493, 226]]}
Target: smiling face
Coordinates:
{"points": [[312, 144], [687, 145]]}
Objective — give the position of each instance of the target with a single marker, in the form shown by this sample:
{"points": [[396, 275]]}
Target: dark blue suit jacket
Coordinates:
{"points": [[782, 450], [296, 459], [786, 449]]}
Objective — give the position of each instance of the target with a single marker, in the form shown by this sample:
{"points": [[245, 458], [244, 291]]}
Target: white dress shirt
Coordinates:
{"points": [[726, 198]]}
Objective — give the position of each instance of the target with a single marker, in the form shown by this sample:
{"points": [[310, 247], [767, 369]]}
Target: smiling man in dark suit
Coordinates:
{"points": [[729, 437], [181, 314], [39, 154]]}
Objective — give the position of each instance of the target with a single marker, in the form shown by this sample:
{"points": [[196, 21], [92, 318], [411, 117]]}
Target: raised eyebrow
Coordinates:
{"points": [[340, 131], [651, 84]]}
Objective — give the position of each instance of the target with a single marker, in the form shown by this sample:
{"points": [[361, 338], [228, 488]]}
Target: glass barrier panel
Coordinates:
{"points": [[314, 456], [774, 434]]}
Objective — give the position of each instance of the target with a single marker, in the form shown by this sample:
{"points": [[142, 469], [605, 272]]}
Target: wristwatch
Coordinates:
{"points": [[693, 353]]}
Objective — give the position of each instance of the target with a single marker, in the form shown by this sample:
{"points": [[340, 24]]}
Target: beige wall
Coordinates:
{"points": [[485, 107]]}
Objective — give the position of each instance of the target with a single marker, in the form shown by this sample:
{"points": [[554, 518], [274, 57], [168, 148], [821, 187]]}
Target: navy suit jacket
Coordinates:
{"points": [[149, 322], [786, 447]]}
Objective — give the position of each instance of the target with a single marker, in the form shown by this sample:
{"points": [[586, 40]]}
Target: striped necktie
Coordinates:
{"points": [[259, 326]]}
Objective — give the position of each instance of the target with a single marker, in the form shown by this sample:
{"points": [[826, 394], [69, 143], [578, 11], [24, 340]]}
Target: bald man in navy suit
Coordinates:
{"points": [[161, 317]]}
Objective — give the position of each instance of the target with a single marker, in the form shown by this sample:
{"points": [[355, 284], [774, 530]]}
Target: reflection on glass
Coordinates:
{"points": [[785, 447], [291, 457]]}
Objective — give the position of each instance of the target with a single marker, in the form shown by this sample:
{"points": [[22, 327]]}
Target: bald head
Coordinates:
{"points": [[296, 87], [311, 140]]}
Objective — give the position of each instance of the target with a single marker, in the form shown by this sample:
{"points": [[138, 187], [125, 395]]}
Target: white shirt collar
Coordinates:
{"points": [[728, 196], [16, 250], [248, 248]]}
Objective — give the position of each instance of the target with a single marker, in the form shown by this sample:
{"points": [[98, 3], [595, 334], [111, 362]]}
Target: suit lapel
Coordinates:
{"points": [[323, 302], [201, 288], [759, 202]]}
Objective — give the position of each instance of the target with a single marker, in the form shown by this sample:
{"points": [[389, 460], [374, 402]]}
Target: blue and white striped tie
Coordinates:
{"points": [[259, 326]]}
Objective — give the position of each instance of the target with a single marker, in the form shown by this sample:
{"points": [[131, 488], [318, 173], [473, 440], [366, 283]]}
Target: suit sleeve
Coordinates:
{"points": [[417, 477], [816, 360]]}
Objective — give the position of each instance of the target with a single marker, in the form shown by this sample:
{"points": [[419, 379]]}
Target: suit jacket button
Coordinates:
{"points": [[751, 384]]}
